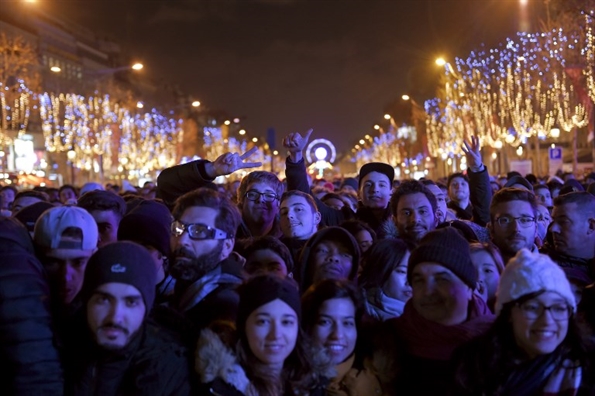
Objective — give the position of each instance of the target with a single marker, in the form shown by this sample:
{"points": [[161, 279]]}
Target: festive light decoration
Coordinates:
{"points": [[508, 94], [15, 111]]}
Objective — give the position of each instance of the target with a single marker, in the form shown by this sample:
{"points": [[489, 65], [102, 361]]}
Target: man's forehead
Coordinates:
{"points": [[375, 176], [431, 268], [118, 289], [260, 187], [68, 254], [412, 201], [294, 200]]}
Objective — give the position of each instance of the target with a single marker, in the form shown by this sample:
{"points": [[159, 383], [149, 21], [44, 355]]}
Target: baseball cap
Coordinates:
{"points": [[50, 227]]}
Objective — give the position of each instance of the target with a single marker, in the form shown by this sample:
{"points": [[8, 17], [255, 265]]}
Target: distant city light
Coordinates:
{"points": [[137, 66], [405, 97], [387, 117], [140, 105], [242, 132], [196, 103], [236, 120], [227, 122], [55, 69]]}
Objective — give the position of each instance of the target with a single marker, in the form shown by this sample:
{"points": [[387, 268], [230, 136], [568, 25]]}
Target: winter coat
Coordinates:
{"points": [[28, 356], [351, 381], [152, 364], [198, 306]]}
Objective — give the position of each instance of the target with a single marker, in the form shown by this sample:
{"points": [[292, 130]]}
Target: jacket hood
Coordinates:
{"points": [[215, 360], [14, 236], [333, 234]]}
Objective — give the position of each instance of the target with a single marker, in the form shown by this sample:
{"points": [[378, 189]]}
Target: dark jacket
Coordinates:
{"points": [[565, 261], [190, 312], [178, 180], [480, 195], [28, 356], [152, 364]]}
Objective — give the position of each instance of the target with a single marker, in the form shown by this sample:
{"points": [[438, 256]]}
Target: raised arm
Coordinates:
{"points": [[480, 192], [176, 181], [297, 178]]}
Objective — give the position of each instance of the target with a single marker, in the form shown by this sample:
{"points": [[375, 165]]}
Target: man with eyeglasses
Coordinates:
{"points": [[259, 198], [513, 226], [206, 273]]}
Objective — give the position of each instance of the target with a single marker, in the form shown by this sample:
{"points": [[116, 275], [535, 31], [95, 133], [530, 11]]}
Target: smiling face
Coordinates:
{"points": [[297, 218], [115, 312], [271, 332], [335, 328], [332, 260], [542, 335], [259, 211], [375, 190], [439, 295]]}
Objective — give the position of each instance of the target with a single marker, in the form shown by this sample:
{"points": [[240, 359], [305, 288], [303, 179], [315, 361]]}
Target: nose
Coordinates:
{"points": [[116, 312], [554, 227], [414, 218], [546, 317], [332, 257], [336, 332], [67, 273], [275, 330]]}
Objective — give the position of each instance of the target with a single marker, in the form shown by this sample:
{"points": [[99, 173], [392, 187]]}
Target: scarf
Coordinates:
{"points": [[429, 340], [548, 375], [382, 307], [197, 291]]}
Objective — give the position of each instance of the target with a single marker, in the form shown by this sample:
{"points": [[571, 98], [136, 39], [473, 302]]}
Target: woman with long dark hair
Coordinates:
{"points": [[272, 356], [332, 318], [535, 346]]}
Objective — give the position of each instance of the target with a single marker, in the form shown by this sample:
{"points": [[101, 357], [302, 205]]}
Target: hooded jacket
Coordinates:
{"points": [[29, 358], [304, 270]]}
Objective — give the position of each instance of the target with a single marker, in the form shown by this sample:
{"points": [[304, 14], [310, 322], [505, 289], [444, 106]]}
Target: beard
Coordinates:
{"points": [[186, 267]]}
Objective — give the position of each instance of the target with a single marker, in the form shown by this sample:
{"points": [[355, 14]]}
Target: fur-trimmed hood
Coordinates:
{"points": [[214, 360]]}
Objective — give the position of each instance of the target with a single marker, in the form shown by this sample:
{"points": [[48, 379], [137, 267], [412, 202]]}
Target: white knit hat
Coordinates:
{"points": [[528, 273]]}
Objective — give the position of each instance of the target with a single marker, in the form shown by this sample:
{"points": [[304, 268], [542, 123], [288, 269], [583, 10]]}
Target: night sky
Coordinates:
{"points": [[293, 64]]}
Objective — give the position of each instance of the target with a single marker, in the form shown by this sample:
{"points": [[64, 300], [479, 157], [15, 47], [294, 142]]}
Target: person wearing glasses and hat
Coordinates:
{"points": [[535, 346], [206, 273]]}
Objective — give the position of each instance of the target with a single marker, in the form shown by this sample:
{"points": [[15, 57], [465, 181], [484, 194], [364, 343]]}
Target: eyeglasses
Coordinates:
{"points": [[197, 231], [524, 221], [254, 195], [532, 310]]}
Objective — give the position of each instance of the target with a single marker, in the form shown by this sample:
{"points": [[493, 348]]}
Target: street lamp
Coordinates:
{"points": [[55, 69], [405, 97], [196, 103], [137, 66]]}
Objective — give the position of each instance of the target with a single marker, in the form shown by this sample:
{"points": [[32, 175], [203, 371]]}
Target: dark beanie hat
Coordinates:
{"points": [[29, 214], [519, 180], [121, 262], [447, 247], [148, 224], [379, 167], [350, 181], [263, 289]]}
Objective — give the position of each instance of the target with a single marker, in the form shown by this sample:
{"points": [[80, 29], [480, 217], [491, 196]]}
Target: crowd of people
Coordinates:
{"points": [[470, 285]]}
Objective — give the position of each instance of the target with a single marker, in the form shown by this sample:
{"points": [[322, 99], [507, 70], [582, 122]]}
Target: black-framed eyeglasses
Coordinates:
{"points": [[198, 231], [533, 310], [254, 195], [524, 221]]}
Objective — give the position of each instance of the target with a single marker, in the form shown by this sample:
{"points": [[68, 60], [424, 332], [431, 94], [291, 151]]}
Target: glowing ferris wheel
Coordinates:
{"points": [[321, 154]]}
